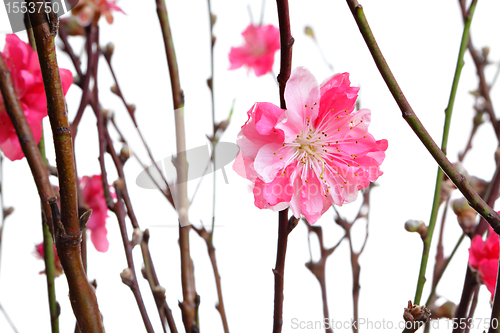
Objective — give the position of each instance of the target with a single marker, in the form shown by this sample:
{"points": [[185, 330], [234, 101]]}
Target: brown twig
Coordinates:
{"points": [[472, 310], [318, 268], [286, 43], [207, 237], [480, 61], [130, 278], [68, 233], [158, 291], [105, 144], [363, 213], [189, 305], [131, 111]]}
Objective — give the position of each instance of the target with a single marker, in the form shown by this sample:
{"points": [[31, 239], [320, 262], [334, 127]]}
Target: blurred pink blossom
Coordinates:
{"points": [[316, 153], [483, 258], [93, 195], [23, 64], [86, 10], [261, 43]]}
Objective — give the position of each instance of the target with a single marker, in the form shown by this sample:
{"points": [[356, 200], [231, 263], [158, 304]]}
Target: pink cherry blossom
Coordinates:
{"points": [[39, 252], [261, 43], [93, 195], [483, 258], [316, 153], [23, 64], [86, 10]]}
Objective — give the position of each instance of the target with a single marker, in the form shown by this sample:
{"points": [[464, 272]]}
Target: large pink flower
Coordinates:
{"points": [[23, 64], [483, 258], [316, 153], [261, 42], [93, 195]]}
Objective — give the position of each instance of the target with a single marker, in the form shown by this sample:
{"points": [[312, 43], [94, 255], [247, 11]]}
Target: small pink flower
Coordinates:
{"points": [[316, 153], [39, 252], [23, 64], [261, 42], [93, 195], [483, 258], [86, 10]]}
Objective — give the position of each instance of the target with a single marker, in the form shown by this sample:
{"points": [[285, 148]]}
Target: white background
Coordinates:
{"points": [[420, 41]]}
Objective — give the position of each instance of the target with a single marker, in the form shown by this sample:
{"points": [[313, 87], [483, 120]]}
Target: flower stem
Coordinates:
{"points": [[411, 118], [444, 144], [279, 271], [286, 43], [83, 299]]}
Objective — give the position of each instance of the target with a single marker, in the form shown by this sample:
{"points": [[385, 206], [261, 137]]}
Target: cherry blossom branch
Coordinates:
{"points": [[210, 83], [218, 129], [189, 305], [63, 34], [472, 309], [83, 299], [286, 43], [48, 257], [131, 111], [444, 144], [364, 212], [149, 272], [411, 118], [128, 275], [92, 58], [480, 62], [318, 268], [279, 271], [208, 238], [158, 291]]}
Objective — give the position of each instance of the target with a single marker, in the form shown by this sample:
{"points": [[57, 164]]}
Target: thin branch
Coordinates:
{"points": [[131, 111], [480, 62], [472, 310], [363, 213], [286, 43], [208, 237], [189, 305], [49, 258], [318, 268], [440, 270], [158, 291], [131, 279]]}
